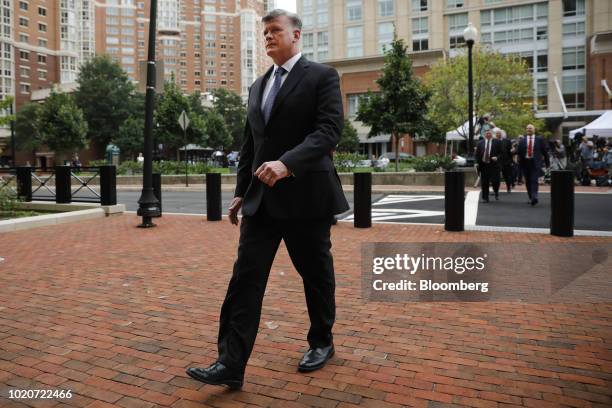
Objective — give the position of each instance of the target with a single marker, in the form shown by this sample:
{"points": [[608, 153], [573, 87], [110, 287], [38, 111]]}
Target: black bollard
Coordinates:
{"points": [[362, 196], [213, 196], [562, 203], [454, 196], [157, 191], [108, 185], [63, 188], [24, 183]]}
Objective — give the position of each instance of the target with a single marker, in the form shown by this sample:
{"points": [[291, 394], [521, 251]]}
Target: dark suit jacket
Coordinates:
{"points": [[505, 154], [540, 152], [494, 152], [303, 129]]}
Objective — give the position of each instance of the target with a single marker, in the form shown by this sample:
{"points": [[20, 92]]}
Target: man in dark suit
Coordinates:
{"points": [[487, 156], [531, 150], [505, 158], [287, 188]]}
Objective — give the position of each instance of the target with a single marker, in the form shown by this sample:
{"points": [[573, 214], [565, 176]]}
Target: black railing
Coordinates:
{"points": [[35, 184]]}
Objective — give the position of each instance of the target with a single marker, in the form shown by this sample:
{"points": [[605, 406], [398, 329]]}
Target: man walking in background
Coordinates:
{"points": [[487, 155], [505, 158], [287, 188], [531, 150]]}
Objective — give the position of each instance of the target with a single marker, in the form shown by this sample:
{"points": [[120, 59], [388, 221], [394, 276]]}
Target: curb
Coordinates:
{"points": [[24, 223]]}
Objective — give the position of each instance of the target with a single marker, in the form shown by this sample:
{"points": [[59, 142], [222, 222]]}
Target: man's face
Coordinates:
{"points": [[280, 37], [489, 135], [498, 135], [529, 129]]}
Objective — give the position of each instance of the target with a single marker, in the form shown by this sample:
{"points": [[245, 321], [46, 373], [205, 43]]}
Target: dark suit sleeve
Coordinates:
{"points": [[327, 128], [544, 150], [245, 164]]}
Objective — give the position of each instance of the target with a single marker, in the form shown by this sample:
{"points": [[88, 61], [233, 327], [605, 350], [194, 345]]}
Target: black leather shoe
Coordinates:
{"points": [[534, 201], [485, 200], [217, 374], [316, 358], [496, 196]]}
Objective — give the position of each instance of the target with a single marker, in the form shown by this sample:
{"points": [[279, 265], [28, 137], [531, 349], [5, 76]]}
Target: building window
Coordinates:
{"points": [[24, 37], [456, 41], [385, 35], [354, 41], [322, 13], [542, 93], [419, 5], [42, 75], [23, 5], [419, 25], [573, 7], [573, 91], [454, 3], [573, 29], [42, 11], [24, 72], [541, 33], [573, 58], [353, 103], [42, 59], [353, 10], [24, 22], [322, 39], [42, 42], [385, 8], [420, 45], [24, 88], [24, 55], [42, 27], [457, 21]]}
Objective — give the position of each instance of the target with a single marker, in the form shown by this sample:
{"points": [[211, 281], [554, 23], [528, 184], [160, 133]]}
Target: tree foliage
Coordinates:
{"points": [[401, 103], [349, 141], [502, 87], [62, 124], [27, 128], [6, 105], [229, 105], [104, 94], [130, 137]]}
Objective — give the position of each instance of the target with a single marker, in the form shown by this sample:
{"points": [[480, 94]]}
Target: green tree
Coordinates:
{"points": [[349, 141], [6, 105], [217, 132], [27, 128], [130, 137], [400, 105], [62, 125], [229, 105], [502, 87], [104, 94], [169, 107]]}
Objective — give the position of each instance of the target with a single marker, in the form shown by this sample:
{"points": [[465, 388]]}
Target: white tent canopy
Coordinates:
{"points": [[458, 133], [602, 127]]}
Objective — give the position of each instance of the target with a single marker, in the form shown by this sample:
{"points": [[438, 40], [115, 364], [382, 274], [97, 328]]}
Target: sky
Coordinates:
{"points": [[288, 5]]}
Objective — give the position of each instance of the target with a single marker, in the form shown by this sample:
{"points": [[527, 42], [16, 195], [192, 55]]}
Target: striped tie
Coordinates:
{"points": [[267, 109]]}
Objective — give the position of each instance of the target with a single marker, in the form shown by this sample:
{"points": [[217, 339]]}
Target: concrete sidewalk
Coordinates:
{"points": [[115, 314]]}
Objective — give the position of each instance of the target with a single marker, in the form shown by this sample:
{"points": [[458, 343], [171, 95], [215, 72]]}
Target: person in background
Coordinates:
{"points": [[487, 156], [505, 158], [531, 151]]}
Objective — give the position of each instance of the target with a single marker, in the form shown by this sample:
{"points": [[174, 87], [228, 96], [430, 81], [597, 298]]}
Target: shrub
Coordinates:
{"points": [[8, 201], [432, 163], [346, 162]]}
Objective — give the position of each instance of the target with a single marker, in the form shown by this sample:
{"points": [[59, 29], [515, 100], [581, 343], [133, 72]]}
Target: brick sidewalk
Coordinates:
{"points": [[115, 314]]}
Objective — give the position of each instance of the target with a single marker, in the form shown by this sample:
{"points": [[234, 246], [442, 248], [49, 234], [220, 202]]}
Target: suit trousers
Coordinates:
{"points": [[308, 243], [531, 171], [508, 176], [489, 175]]}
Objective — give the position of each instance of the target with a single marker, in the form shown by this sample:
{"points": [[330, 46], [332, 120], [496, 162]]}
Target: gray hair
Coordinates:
{"points": [[295, 20]]}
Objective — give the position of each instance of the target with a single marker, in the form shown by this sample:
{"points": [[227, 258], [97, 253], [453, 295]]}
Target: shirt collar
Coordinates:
{"points": [[288, 65]]}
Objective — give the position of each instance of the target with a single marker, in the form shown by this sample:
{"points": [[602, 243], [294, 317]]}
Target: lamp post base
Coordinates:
{"points": [[146, 223]]}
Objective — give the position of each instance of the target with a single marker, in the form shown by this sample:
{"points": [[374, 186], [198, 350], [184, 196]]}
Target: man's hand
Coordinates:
{"points": [[270, 172], [234, 208]]}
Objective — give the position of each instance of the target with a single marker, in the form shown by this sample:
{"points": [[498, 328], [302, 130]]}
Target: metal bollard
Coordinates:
{"points": [[108, 185], [63, 188], [454, 200], [362, 200], [213, 196], [24, 183], [562, 203], [157, 191]]}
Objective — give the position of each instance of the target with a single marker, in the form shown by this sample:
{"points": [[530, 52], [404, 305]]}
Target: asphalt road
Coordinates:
{"points": [[592, 211]]}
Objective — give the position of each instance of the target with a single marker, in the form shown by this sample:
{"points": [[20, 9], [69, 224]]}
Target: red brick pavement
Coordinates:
{"points": [[115, 314]]}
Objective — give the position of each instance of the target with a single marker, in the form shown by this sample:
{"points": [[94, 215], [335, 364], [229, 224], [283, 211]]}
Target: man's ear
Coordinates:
{"points": [[297, 34]]}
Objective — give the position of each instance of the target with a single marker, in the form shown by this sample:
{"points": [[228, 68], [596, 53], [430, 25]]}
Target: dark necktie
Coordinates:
{"points": [[267, 109], [487, 157]]}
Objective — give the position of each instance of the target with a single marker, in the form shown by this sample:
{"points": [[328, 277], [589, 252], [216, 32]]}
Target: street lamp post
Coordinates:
{"points": [[148, 204], [470, 34]]}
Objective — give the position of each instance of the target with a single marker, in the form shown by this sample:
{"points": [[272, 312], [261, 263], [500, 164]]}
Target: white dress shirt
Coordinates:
{"points": [[288, 65]]}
